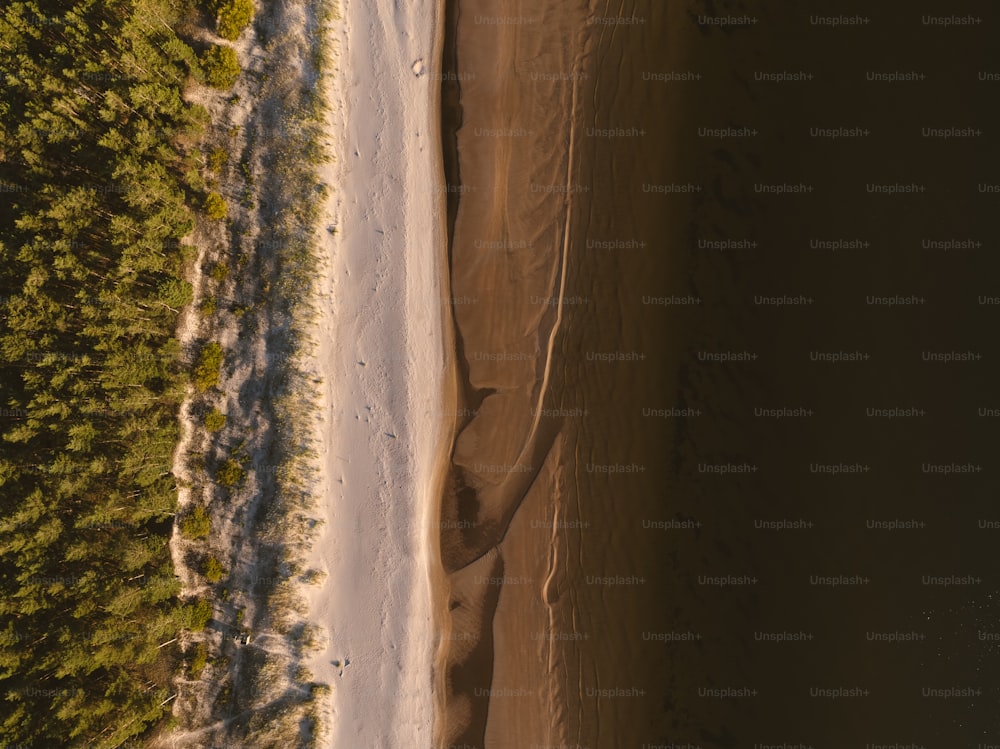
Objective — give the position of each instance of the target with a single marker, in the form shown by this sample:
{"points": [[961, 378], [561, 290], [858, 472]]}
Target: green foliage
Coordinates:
{"points": [[193, 179], [188, 254], [220, 272], [197, 524], [233, 16], [230, 474], [199, 119], [175, 293], [207, 371], [212, 570], [207, 306], [95, 144], [221, 67], [199, 660], [217, 159], [215, 420], [216, 207], [198, 614]]}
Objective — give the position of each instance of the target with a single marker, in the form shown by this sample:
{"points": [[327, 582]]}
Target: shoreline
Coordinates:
{"points": [[437, 580], [505, 476], [381, 352]]}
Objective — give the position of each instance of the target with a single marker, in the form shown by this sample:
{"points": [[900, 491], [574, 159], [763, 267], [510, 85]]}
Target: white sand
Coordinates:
{"points": [[382, 421]]}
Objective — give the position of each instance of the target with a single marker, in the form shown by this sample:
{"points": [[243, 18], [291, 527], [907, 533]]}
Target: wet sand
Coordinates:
{"points": [[520, 68]]}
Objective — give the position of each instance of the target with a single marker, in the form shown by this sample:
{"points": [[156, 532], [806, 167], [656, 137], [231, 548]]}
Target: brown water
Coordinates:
{"points": [[623, 567]]}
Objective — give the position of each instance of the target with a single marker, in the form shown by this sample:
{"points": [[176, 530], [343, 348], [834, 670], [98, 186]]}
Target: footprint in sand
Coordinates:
{"points": [[337, 664]]}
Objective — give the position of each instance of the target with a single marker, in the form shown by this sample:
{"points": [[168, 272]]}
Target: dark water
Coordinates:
{"points": [[794, 562]]}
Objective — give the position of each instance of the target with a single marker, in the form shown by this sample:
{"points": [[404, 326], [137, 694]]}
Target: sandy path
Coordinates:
{"points": [[381, 353]]}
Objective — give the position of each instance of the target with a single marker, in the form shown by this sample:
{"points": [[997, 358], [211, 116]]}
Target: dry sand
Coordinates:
{"points": [[382, 343]]}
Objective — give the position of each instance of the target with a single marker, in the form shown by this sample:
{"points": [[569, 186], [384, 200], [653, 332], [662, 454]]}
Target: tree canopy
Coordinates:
{"points": [[94, 202]]}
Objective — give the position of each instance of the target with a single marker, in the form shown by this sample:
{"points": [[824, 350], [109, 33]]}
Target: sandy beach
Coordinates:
{"points": [[514, 130], [381, 354]]}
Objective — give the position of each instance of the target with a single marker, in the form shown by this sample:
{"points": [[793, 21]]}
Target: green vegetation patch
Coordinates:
{"points": [[230, 474], [217, 159], [213, 570], [96, 146], [216, 207], [221, 67], [198, 615], [215, 420], [175, 293], [220, 272], [199, 660], [197, 524], [207, 306], [232, 16], [209, 367]]}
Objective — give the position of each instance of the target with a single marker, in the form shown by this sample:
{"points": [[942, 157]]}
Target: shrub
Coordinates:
{"points": [[215, 420], [217, 159], [220, 272], [230, 473], [197, 524], [198, 615], [233, 16], [213, 570], [207, 307], [199, 660], [221, 66], [215, 206], [206, 373]]}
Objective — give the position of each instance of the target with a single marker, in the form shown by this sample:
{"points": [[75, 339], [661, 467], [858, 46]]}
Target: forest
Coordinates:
{"points": [[101, 178]]}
